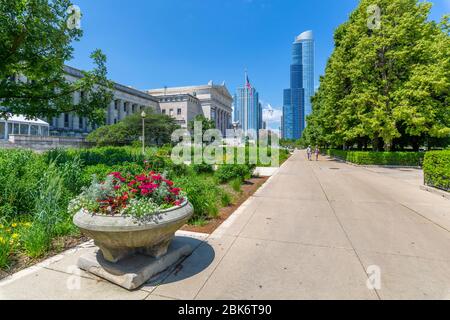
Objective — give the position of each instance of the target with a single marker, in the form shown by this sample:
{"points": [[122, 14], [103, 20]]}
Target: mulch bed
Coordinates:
{"points": [[62, 244], [59, 245], [248, 189]]}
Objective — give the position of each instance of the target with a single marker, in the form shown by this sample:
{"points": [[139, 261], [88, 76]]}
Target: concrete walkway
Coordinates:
{"points": [[316, 230]]}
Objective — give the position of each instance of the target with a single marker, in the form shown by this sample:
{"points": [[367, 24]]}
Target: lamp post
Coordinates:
{"points": [[143, 115]]}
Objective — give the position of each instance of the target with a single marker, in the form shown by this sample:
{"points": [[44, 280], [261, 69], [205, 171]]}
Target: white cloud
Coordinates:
{"points": [[272, 117], [271, 114]]}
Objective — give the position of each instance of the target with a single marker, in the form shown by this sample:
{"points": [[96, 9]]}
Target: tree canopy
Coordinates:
{"points": [[386, 87], [206, 123], [158, 130], [35, 41]]}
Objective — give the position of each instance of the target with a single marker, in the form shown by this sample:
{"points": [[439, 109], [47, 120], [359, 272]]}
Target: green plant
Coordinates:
{"points": [[379, 158], [225, 199], [436, 169], [202, 193], [228, 172], [128, 194], [36, 240], [236, 184], [5, 247], [202, 168]]}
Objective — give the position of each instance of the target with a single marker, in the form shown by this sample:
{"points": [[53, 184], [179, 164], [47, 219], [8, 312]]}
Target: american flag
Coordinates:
{"points": [[248, 85]]}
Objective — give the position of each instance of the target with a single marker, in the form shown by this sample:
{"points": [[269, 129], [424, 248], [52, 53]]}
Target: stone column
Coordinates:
{"points": [[60, 122], [75, 122], [119, 104]]}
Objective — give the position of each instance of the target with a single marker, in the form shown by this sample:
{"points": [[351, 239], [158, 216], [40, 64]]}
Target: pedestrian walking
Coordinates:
{"points": [[309, 152], [317, 152]]}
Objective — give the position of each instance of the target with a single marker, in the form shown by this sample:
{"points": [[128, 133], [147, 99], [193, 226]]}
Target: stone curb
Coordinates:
{"points": [[436, 191]]}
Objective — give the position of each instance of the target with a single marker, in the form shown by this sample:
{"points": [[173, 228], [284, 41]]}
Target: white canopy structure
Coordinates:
{"points": [[20, 125]]}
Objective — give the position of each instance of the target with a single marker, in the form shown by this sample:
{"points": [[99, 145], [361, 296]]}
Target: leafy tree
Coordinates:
{"points": [[158, 130], [35, 41], [206, 123], [386, 87]]}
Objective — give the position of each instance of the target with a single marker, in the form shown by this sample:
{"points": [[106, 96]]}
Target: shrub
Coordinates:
{"points": [[20, 175], [436, 169], [202, 193], [379, 158], [228, 172], [5, 247], [236, 184], [105, 155], [225, 199], [36, 240], [202, 168]]}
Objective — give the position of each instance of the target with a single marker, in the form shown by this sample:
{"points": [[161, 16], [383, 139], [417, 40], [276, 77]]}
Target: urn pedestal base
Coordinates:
{"points": [[136, 269]]}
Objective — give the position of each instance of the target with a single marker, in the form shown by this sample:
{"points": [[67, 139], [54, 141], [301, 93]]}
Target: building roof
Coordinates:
{"points": [[169, 90], [307, 35], [120, 87], [23, 119]]}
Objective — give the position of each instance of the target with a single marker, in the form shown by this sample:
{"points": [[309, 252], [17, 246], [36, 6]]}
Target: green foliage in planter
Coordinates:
{"points": [[379, 158], [436, 168]]}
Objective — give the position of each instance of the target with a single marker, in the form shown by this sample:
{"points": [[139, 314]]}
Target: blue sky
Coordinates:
{"points": [[157, 43]]}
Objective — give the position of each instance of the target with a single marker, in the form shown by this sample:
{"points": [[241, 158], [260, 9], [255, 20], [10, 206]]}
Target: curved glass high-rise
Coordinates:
{"points": [[297, 99]]}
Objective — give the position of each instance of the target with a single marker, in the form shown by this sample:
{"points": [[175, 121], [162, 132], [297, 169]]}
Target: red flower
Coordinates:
{"points": [[141, 177], [175, 191], [178, 203], [116, 187], [156, 177], [168, 182]]}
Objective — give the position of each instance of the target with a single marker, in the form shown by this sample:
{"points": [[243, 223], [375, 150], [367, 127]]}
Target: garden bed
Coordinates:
{"points": [[248, 189], [35, 190], [21, 261]]}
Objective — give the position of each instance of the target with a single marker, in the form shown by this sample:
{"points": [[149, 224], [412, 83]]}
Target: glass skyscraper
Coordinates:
{"points": [[247, 109], [297, 99]]}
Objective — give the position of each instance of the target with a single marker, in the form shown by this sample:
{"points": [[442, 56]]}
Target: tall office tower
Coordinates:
{"points": [[247, 109], [297, 99]]}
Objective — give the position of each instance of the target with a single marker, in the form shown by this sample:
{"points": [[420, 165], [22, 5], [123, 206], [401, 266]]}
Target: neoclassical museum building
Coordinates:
{"points": [[182, 103]]}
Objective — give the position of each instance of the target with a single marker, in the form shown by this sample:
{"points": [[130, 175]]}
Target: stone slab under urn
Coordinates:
{"points": [[135, 270], [132, 250]]}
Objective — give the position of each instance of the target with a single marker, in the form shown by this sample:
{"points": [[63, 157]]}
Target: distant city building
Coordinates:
{"points": [[215, 100], [297, 99], [247, 109]]}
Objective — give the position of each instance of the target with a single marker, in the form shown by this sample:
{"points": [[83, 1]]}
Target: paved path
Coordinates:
{"points": [[312, 232]]}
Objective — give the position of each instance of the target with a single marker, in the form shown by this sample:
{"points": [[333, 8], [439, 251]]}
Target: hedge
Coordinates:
{"points": [[436, 168], [410, 159]]}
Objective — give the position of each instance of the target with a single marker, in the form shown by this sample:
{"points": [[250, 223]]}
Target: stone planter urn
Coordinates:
{"points": [[119, 237]]}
